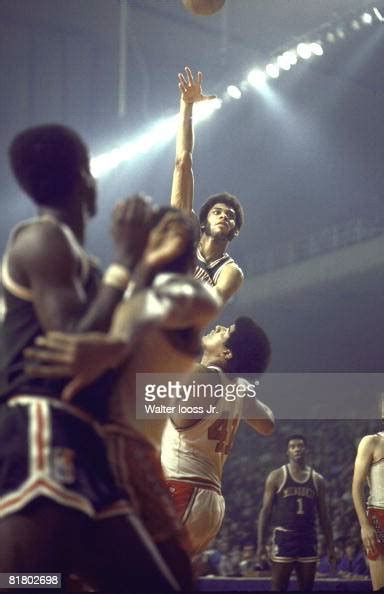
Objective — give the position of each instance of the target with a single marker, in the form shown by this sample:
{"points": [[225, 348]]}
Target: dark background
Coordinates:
{"points": [[305, 157]]}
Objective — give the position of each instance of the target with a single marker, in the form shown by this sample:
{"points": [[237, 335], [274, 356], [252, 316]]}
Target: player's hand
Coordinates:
{"points": [[83, 357], [190, 87], [130, 227], [369, 538], [166, 242]]}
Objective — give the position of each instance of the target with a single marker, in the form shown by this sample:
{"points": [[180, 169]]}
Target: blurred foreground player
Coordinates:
{"points": [[220, 217], [297, 494], [369, 465], [157, 329], [194, 451], [60, 508]]}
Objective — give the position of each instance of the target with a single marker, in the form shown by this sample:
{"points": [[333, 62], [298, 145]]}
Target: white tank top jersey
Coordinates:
{"points": [[376, 483], [198, 453]]}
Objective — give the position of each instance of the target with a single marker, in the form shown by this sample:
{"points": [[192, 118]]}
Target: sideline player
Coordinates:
{"points": [[221, 216], [297, 494], [55, 479], [194, 451], [369, 465]]}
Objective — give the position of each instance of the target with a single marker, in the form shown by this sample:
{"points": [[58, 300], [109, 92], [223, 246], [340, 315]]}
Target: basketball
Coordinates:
{"points": [[203, 7]]}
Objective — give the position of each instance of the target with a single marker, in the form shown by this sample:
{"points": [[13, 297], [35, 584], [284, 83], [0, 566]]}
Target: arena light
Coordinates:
{"points": [[291, 56], [366, 18], [304, 51], [234, 92], [340, 33], [355, 25], [284, 62], [257, 78], [378, 14], [272, 70], [205, 109], [316, 49], [330, 37]]}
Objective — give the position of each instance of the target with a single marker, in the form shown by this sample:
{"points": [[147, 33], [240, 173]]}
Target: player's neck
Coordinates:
{"points": [[72, 220], [212, 248], [298, 467]]}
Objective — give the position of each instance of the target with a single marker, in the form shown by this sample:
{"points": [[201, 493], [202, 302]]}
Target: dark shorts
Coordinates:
{"points": [[55, 451], [289, 546]]}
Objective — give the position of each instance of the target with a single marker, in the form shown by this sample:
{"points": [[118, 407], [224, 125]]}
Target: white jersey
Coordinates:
{"points": [[376, 483], [198, 453]]}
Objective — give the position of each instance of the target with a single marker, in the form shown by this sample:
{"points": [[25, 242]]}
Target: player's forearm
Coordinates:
{"points": [[358, 502], [262, 524], [185, 136], [182, 181]]}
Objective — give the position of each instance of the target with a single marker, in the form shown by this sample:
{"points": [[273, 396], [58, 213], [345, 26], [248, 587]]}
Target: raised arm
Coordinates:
{"points": [[182, 182], [363, 462]]}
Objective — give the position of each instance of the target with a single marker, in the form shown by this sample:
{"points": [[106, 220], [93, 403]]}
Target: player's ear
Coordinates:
{"points": [[227, 354]]}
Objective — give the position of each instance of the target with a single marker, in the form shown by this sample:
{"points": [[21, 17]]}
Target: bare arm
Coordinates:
{"points": [[323, 515], [264, 420], [43, 260], [229, 281], [182, 182], [363, 462], [271, 486]]}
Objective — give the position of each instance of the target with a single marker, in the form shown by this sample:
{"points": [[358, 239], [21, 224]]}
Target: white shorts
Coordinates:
{"points": [[201, 509]]}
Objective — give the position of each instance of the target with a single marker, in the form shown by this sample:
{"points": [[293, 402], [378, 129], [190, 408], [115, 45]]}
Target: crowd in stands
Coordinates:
{"points": [[332, 450]]}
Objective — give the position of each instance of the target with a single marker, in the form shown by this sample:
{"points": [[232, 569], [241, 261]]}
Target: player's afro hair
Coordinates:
{"points": [[46, 161], [224, 198], [250, 347]]}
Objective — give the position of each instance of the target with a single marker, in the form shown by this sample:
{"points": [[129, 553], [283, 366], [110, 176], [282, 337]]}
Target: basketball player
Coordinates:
{"points": [[220, 217], [369, 465], [296, 492], [156, 330], [194, 451], [55, 479]]}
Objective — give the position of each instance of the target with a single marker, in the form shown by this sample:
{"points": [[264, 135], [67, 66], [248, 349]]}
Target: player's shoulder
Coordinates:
{"points": [[234, 269], [369, 442], [317, 477], [277, 475]]}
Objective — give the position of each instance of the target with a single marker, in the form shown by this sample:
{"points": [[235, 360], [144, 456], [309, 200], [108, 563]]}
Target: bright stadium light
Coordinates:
{"points": [[366, 18], [272, 70], [257, 78], [291, 56], [316, 49], [378, 14], [355, 24], [304, 51], [234, 92], [284, 62], [204, 109]]}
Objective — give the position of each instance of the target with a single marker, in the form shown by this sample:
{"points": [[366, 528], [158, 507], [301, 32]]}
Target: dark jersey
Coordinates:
{"points": [[209, 272], [21, 326], [295, 504]]}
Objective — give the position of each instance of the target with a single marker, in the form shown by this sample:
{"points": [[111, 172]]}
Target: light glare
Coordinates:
{"points": [[234, 92], [272, 70], [304, 51], [257, 78]]}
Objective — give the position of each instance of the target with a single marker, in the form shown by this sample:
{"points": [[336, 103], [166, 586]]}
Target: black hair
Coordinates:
{"points": [[250, 348], [46, 162], [296, 436], [224, 198]]}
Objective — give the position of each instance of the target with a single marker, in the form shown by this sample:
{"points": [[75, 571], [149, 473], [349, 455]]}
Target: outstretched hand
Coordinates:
{"points": [[190, 87], [82, 357]]}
